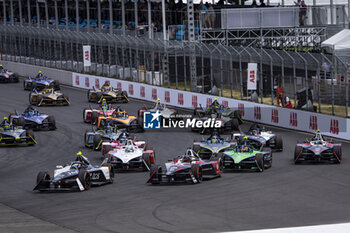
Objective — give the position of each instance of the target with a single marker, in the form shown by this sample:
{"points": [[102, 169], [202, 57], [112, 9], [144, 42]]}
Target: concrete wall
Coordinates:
{"points": [[64, 77]]}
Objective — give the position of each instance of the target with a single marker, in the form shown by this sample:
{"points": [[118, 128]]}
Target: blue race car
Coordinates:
{"points": [[32, 119], [39, 83]]}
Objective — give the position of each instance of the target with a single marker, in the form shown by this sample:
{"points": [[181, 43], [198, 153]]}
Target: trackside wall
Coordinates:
{"points": [[334, 126]]}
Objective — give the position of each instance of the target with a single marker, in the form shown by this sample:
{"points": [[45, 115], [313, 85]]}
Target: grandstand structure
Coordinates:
{"points": [[183, 46]]}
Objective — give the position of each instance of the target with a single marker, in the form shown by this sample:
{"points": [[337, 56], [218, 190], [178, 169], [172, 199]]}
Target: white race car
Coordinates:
{"points": [[131, 157]]}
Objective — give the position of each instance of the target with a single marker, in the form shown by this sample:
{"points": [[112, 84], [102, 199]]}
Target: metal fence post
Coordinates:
{"points": [[306, 77], [88, 15], [29, 13], [20, 13], [46, 14], [110, 17], [77, 14], [271, 76], [56, 15], [12, 13], [66, 13], [318, 80], [38, 14], [99, 15]]}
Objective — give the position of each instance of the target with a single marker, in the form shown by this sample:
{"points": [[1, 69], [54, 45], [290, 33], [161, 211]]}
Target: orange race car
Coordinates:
{"points": [[121, 119]]}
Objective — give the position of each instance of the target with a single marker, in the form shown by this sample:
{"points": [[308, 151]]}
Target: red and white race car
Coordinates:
{"points": [[318, 149], [187, 168], [131, 157], [90, 115]]}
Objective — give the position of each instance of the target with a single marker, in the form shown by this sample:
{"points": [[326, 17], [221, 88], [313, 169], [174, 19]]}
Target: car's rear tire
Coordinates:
{"points": [[147, 159], [52, 123], [29, 133], [260, 162], [125, 95], [238, 116], [297, 151], [89, 96], [197, 172], [111, 174], [220, 163], [42, 176], [338, 152], [85, 179], [57, 85], [97, 141], [94, 118], [38, 100], [269, 164], [106, 149], [278, 143], [84, 116], [234, 124], [20, 122], [31, 102], [156, 170]]}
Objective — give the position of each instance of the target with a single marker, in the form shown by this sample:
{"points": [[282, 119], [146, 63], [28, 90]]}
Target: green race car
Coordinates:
{"points": [[245, 157]]}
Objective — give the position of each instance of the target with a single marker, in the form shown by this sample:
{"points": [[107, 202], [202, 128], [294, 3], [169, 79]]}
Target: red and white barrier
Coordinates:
{"points": [[271, 115]]}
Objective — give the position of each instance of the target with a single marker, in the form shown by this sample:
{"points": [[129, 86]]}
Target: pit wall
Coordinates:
{"points": [[293, 119]]}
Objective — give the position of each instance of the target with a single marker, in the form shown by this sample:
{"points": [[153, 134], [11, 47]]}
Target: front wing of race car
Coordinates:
{"points": [[52, 101], [15, 141]]}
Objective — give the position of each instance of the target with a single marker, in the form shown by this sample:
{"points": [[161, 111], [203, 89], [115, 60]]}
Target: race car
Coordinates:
{"points": [[109, 93], [32, 119], [131, 157], [121, 119], [162, 109], [79, 175], [230, 119], [48, 96], [318, 149], [40, 83], [7, 76], [188, 168], [122, 140], [11, 135], [90, 115], [212, 146], [94, 138], [258, 136], [245, 157]]}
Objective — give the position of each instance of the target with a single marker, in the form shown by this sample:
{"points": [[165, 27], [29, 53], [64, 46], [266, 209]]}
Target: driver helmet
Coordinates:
{"points": [[186, 159], [214, 140], [109, 129], [255, 132], [40, 74], [1, 67], [129, 149], [76, 165], [318, 135], [31, 113]]}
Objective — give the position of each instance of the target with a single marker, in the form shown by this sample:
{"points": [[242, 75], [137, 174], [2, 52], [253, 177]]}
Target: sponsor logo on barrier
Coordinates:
{"points": [[87, 82], [167, 96], [180, 98], [154, 93], [142, 92], [77, 80], [257, 112], [313, 122], [293, 119], [241, 108], [194, 101], [119, 86], [334, 128], [209, 102], [97, 83], [225, 103], [151, 120], [274, 116], [131, 89]]}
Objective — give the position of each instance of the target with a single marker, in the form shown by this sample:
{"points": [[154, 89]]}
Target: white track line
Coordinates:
{"points": [[329, 228]]}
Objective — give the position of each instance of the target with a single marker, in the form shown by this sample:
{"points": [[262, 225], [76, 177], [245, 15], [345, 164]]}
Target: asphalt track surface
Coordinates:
{"points": [[286, 195]]}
